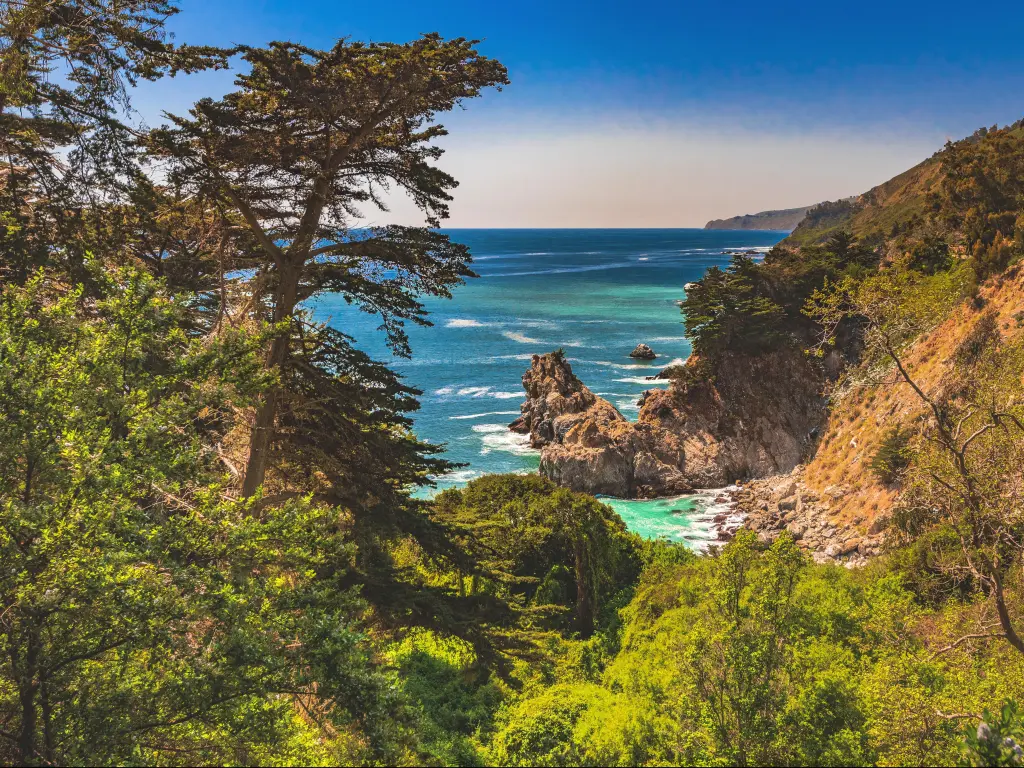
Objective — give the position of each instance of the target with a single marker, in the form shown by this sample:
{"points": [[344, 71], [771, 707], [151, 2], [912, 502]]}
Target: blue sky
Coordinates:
{"points": [[679, 111]]}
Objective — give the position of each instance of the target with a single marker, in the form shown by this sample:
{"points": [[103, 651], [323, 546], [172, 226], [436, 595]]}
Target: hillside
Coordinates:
{"points": [[782, 220], [960, 206], [897, 206], [902, 200]]}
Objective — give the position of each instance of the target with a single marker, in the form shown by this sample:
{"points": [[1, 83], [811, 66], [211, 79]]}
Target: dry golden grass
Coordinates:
{"points": [[859, 420]]}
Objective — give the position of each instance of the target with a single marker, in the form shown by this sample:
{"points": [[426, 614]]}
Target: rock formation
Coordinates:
{"points": [[785, 503], [643, 352], [755, 417]]}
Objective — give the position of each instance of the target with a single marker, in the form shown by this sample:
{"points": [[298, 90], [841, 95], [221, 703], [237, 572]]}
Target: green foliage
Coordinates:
{"points": [[754, 307], [997, 740], [725, 311], [455, 696], [980, 196], [930, 255], [544, 548], [759, 657], [144, 613], [893, 455], [821, 220]]}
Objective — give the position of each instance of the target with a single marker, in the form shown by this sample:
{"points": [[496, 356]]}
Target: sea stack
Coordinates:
{"points": [[643, 352]]}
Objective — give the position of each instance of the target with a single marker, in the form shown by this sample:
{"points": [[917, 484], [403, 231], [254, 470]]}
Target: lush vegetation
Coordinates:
{"points": [[753, 307], [212, 551]]}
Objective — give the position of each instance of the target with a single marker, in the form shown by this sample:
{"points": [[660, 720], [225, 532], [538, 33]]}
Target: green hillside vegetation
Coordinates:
{"points": [[907, 204], [213, 550]]}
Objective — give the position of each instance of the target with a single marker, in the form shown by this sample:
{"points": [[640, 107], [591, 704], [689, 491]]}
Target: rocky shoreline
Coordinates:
{"points": [[752, 416], [725, 516], [772, 505], [758, 417]]}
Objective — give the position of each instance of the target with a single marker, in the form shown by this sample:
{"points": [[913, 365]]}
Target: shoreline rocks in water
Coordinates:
{"points": [[586, 444], [643, 352], [752, 419], [700, 435]]}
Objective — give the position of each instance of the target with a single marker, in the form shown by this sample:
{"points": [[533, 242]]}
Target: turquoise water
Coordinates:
{"points": [[595, 293]]}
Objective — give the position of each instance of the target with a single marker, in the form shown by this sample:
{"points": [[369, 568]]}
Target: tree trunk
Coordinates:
{"points": [[44, 702], [584, 600], [1004, 615], [285, 299], [27, 698]]}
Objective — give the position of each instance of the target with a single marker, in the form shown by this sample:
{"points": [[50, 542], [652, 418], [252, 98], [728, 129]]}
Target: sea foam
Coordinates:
{"points": [[522, 338], [464, 322], [473, 391], [482, 415], [497, 437], [643, 380], [486, 428]]}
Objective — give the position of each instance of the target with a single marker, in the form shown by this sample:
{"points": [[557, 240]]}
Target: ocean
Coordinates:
{"points": [[596, 293]]}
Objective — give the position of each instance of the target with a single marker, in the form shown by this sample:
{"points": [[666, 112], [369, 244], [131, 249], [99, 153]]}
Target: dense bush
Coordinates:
{"points": [[893, 455], [759, 657], [751, 307], [549, 550]]}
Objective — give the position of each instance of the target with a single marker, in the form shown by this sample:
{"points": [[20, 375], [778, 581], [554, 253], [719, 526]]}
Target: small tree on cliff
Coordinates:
{"points": [[309, 136], [726, 310]]}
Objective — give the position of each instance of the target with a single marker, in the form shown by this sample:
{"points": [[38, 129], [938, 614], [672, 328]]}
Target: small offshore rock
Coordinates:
{"points": [[643, 352]]}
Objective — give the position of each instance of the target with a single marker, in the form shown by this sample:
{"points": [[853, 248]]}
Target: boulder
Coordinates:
{"points": [[643, 352]]}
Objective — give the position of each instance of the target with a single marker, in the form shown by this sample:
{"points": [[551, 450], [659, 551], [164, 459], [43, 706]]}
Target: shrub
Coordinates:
{"points": [[892, 457]]}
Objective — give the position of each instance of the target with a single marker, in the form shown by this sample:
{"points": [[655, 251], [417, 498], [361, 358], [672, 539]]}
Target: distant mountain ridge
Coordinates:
{"points": [[783, 220]]}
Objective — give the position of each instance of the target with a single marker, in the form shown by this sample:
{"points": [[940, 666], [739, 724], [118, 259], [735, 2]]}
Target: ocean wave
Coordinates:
{"points": [[488, 428], [460, 476], [668, 338], [642, 380], [520, 337], [501, 439], [482, 415], [473, 391], [464, 322], [476, 392], [521, 356]]}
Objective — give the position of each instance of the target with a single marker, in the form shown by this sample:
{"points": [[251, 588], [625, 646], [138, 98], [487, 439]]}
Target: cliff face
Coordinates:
{"points": [[756, 417], [785, 220]]}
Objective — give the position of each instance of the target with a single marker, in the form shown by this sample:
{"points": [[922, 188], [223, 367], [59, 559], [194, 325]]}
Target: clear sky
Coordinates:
{"points": [[641, 113]]}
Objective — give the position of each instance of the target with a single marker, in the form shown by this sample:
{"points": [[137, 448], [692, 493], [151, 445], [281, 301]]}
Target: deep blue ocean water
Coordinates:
{"points": [[595, 293]]}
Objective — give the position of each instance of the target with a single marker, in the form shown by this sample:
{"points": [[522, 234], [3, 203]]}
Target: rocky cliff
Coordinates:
{"points": [[785, 220], [753, 416]]}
